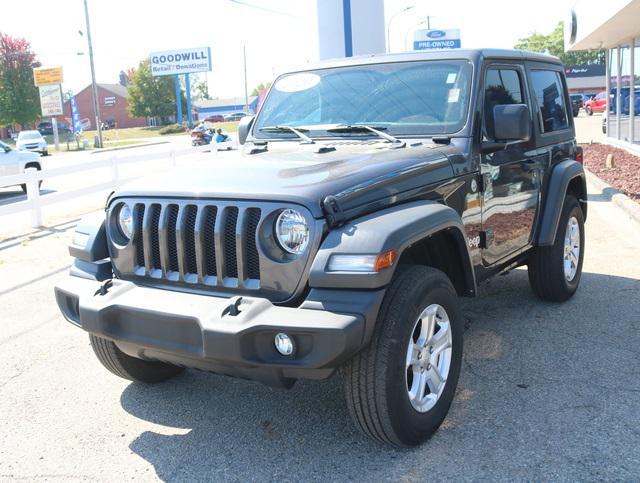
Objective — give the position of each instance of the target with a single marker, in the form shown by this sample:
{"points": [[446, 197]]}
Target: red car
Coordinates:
{"points": [[596, 104], [215, 118]]}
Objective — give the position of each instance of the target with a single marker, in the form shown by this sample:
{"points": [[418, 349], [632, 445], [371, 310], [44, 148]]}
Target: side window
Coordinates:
{"points": [[549, 93], [502, 86]]}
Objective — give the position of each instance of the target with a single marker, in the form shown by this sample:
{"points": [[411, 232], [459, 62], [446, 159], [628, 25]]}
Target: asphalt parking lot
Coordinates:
{"points": [[547, 392]]}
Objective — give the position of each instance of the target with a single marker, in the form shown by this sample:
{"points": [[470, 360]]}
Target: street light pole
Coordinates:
{"points": [[94, 87], [389, 24], [412, 30]]}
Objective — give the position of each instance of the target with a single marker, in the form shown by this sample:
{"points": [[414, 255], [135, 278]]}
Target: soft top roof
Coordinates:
{"points": [[472, 55]]}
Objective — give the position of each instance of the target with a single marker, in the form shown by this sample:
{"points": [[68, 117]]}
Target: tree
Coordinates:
{"points": [[259, 88], [554, 44], [199, 88], [19, 97], [151, 96]]}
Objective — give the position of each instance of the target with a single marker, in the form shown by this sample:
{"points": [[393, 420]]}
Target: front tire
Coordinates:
{"points": [[131, 368], [399, 388], [554, 271], [589, 111]]}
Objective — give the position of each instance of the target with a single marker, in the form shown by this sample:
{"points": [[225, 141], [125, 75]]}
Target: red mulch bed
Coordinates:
{"points": [[625, 175]]}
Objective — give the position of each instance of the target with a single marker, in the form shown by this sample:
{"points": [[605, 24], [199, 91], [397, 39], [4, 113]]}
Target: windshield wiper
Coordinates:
{"points": [[297, 131], [364, 128]]}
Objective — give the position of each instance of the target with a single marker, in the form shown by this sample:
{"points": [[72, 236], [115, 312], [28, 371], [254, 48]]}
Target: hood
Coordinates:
{"points": [[353, 174]]}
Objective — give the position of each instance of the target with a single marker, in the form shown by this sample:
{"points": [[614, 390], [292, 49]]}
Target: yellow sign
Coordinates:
{"points": [[47, 76]]}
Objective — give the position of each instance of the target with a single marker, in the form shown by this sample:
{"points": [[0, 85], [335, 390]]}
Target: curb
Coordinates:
{"points": [[629, 206], [132, 146]]}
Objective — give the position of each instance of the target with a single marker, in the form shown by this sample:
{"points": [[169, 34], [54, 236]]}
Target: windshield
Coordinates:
{"points": [[29, 135], [423, 98]]}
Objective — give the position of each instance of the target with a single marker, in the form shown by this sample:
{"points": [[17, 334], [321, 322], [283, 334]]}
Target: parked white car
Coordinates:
{"points": [[32, 141], [13, 162]]}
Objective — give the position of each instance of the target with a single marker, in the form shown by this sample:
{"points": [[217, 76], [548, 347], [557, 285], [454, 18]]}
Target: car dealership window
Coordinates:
{"points": [[552, 111]]}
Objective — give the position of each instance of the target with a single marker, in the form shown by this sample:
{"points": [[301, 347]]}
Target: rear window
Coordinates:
{"points": [[549, 93]]}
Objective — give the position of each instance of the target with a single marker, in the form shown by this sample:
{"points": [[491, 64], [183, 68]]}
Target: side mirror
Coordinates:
{"points": [[512, 122], [244, 126]]}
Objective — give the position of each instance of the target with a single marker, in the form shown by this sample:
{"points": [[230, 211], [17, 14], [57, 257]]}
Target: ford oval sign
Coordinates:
{"points": [[436, 34], [436, 39]]}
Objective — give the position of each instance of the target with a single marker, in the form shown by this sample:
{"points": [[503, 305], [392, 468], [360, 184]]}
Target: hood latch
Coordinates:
{"points": [[333, 211]]}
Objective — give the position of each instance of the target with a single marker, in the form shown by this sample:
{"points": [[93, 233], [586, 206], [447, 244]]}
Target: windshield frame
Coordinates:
{"points": [[466, 117]]}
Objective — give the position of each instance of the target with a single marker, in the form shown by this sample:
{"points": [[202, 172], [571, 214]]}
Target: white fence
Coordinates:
{"points": [[32, 177]]}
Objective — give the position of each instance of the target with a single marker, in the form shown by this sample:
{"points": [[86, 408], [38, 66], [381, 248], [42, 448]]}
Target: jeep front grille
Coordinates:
{"points": [[211, 246], [196, 243]]}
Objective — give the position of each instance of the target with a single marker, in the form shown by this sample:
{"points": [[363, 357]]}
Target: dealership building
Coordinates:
{"points": [[613, 26]]}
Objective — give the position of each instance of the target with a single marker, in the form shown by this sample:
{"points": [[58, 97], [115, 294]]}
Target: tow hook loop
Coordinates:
{"points": [[233, 308], [104, 288]]}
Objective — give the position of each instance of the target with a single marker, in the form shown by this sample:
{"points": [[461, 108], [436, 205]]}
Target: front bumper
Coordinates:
{"points": [[33, 149], [199, 331]]}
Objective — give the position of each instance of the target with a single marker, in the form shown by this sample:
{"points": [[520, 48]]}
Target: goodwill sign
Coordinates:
{"points": [[182, 61], [436, 39]]}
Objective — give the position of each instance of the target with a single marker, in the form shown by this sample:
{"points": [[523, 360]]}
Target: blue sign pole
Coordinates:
{"points": [[178, 100], [189, 113]]}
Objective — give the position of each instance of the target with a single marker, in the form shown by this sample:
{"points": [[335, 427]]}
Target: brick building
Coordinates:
{"points": [[112, 103]]}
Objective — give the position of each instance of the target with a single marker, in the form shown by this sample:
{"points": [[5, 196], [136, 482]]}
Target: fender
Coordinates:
{"points": [[561, 175], [394, 228], [90, 250]]}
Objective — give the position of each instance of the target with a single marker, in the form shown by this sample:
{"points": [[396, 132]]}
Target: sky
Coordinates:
{"points": [[276, 33]]}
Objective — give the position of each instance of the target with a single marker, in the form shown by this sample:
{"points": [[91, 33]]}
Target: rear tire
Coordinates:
{"points": [[589, 111], [554, 271], [131, 368], [395, 392]]}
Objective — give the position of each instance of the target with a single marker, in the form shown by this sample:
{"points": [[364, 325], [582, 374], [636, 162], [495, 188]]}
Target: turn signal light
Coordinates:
{"points": [[580, 155], [385, 260]]}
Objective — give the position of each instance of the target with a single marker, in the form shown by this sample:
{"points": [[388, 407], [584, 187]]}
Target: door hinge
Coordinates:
{"points": [[483, 181], [486, 238]]}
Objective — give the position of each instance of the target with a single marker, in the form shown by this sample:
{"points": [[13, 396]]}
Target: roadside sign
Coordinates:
{"points": [[47, 76], [75, 115], [110, 101], [51, 100], [436, 39], [184, 61]]}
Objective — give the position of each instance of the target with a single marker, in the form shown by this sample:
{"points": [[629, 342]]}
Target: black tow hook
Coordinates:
{"points": [[104, 288], [233, 309]]}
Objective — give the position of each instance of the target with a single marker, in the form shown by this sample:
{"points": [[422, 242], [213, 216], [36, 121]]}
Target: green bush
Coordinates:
{"points": [[172, 129]]}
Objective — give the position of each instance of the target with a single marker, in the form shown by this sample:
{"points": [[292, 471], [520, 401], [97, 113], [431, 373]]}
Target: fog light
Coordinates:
{"points": [[284, 344]]}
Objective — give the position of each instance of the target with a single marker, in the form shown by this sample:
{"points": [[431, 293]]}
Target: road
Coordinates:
{"points": [[547, 391], [65, 210]]}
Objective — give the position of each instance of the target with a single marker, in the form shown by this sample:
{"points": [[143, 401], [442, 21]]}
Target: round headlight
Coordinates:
{"points": [[125, 221], [292, 231]]}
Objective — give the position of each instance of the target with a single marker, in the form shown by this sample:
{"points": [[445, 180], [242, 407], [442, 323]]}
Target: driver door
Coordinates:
{"points": [[511, 177]]}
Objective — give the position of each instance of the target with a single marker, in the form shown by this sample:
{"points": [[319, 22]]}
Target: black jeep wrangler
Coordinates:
{"points": [[369, 195]]}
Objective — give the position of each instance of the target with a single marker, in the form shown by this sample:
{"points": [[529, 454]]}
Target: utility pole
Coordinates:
{"points": [[94, 87], [246, 91]]}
